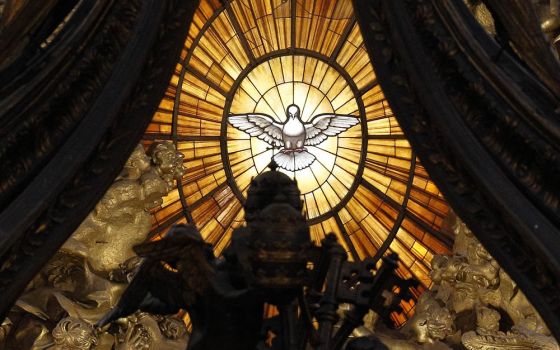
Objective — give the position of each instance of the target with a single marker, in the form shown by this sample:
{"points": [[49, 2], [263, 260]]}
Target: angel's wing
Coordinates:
{"points": [[157, 287], [258, 125], [324, 125], [153, 289]]}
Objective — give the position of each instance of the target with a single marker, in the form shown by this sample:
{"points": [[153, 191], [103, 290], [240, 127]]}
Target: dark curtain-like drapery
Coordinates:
{"points": [[484, 119], [79, 83]]}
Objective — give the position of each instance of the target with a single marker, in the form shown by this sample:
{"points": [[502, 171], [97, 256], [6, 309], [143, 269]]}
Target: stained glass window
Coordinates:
{"points": [[258, 57]]}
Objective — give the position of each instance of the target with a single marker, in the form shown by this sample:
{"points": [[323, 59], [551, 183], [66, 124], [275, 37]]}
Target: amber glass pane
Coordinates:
{"points": [[365, 184]]}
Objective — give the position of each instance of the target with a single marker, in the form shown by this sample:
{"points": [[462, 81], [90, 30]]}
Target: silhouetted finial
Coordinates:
{"points": [[273, 166]]}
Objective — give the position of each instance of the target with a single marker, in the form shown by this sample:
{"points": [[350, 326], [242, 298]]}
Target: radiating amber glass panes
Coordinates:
{"points": [[320, 26], [259, 56], [316, 88]]}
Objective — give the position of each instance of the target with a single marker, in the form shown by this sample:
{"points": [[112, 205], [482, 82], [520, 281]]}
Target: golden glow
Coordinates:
{"points": [[266, 89], [260, 69]]}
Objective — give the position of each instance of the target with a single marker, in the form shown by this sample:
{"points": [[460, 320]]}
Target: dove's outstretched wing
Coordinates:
{"points": [[259, 125], [324, 125]]}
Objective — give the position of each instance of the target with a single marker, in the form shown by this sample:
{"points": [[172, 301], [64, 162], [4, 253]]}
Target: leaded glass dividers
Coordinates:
{"points": [[248, 56]]}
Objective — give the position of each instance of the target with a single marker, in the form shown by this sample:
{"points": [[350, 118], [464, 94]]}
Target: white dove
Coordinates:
{"points": [[292, 135]]}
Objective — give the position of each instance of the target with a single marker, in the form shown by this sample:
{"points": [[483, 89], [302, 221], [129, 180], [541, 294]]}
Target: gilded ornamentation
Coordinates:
{"points": [[145, 331], [5, 328], [487, 320], [547, 11], [517, 338], [140, 331], [470, 282], [432, 322], [172, 328], [121, 218], [88, 275], [482, 14], [89, 143], [473, 304], [74, 334], [449, 65]]}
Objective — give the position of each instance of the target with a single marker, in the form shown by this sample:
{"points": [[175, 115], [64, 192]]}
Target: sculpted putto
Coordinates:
{"points": [[124, 210], [88, 275], [73, 333], [432, 321], [468, 304], [471, 284]]}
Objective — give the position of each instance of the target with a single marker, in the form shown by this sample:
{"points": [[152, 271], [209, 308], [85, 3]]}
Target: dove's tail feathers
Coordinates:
{"points": [[294, 160]]}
